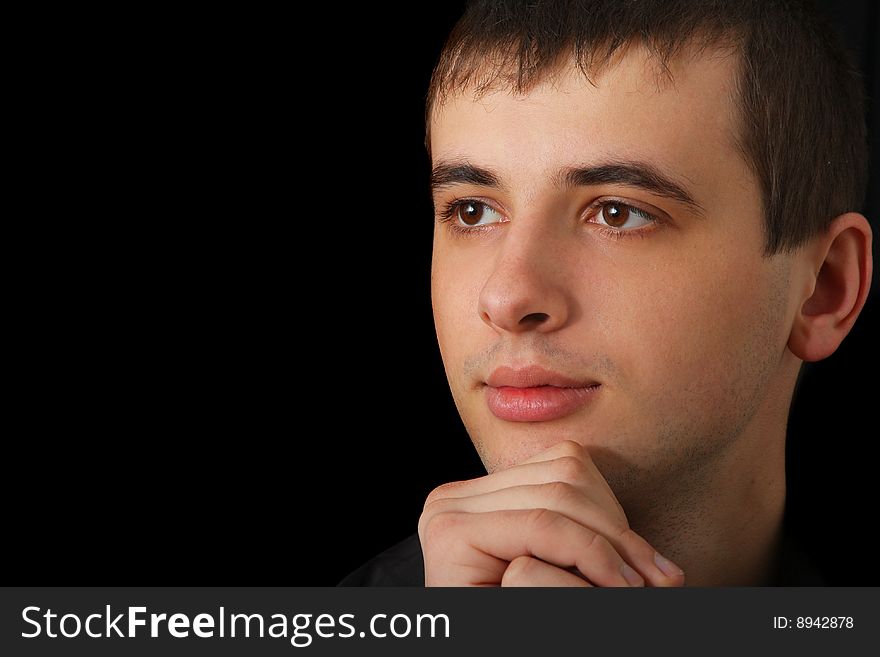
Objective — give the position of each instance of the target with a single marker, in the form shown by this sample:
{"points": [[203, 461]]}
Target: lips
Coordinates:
{"points": [[534, 394]]}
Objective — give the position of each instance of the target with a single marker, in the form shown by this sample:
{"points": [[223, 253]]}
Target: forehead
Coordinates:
{"points": [[685, 121]]}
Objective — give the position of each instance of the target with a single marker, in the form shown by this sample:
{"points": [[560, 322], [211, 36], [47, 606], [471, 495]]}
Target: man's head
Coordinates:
{"points": [[656, 197]]}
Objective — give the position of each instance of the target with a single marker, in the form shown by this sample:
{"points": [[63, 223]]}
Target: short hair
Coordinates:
{"points": [[801, 100]]}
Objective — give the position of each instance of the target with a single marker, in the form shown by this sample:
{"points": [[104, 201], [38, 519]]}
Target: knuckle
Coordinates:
{"points": [[598, 543], [432, 510], [439, 526], [440, 492], [627, 535], [561, 493], [435, 506], [542, 519], [637, 547], [423, 523], [570, 448], [620, 521], [570, 469]]}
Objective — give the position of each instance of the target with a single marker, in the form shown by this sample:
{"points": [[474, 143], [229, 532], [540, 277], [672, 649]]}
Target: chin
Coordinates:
{"points": [[502, 445]]}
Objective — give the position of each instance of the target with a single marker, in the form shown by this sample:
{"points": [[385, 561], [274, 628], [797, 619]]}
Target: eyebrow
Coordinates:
{"points": [[632, 174], [446, 174], [642, 175]]}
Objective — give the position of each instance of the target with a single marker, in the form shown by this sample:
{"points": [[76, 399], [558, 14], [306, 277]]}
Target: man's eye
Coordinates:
{"points": [[474, 213], [621, 216]]}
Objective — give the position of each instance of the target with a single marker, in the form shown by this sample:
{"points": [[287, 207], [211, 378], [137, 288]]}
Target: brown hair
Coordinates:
{"points": [[801, 102]]}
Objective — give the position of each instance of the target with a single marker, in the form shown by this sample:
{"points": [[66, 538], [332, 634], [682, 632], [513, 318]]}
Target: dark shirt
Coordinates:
{"points": [[402, 565]]}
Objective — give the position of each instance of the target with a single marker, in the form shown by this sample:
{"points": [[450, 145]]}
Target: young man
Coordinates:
{"points": [[646, 222]]}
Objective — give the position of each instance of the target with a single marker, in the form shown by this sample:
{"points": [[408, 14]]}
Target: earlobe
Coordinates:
{"points": [[830, 309]]}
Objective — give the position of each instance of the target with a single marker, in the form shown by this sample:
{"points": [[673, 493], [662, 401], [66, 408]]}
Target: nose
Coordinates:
{"points": [[526, 290]]}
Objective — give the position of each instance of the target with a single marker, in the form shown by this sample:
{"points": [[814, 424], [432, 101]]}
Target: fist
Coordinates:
{"points": [[550, 521]]}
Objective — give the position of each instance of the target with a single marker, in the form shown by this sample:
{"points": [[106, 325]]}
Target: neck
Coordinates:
{"points": [[723, 523]]}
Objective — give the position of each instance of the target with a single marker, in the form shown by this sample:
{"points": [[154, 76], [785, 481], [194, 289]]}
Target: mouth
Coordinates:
{"points": [[534, 394]]}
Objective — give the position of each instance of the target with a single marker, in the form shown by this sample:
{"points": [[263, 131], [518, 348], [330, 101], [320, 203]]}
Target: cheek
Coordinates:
{"points": [[454, 294], [700, 330]]}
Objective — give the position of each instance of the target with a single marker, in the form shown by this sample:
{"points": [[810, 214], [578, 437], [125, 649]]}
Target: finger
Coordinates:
{"points": [[569, 501], [558, 450], [567, 468], [634, 549], [646, 560], [528, 571], [570, 449], [557, 496], [566, 461], [541, 533]]}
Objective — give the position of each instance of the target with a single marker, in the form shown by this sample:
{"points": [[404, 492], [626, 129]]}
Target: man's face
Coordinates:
{"points": [[681, 321]]}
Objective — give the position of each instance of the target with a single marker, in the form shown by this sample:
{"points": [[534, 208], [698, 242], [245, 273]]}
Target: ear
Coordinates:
{"points": [[838, 278]]}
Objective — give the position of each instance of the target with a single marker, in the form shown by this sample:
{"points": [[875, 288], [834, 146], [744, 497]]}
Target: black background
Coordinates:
{"points": [[232, 377]]}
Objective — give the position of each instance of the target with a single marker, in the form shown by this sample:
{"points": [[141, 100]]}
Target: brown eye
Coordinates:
{"points": [[615, 214], [471, 212], [471, 215], [622, 217]]}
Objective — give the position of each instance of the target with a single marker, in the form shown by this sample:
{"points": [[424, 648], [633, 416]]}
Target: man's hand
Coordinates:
{"points": [[549, 521]]}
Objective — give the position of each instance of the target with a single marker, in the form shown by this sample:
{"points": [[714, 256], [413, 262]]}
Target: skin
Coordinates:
{"points": [[694, 335]]}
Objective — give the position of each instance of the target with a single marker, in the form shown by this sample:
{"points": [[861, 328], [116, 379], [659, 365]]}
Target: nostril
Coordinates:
{"points": [[534, 317]]}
